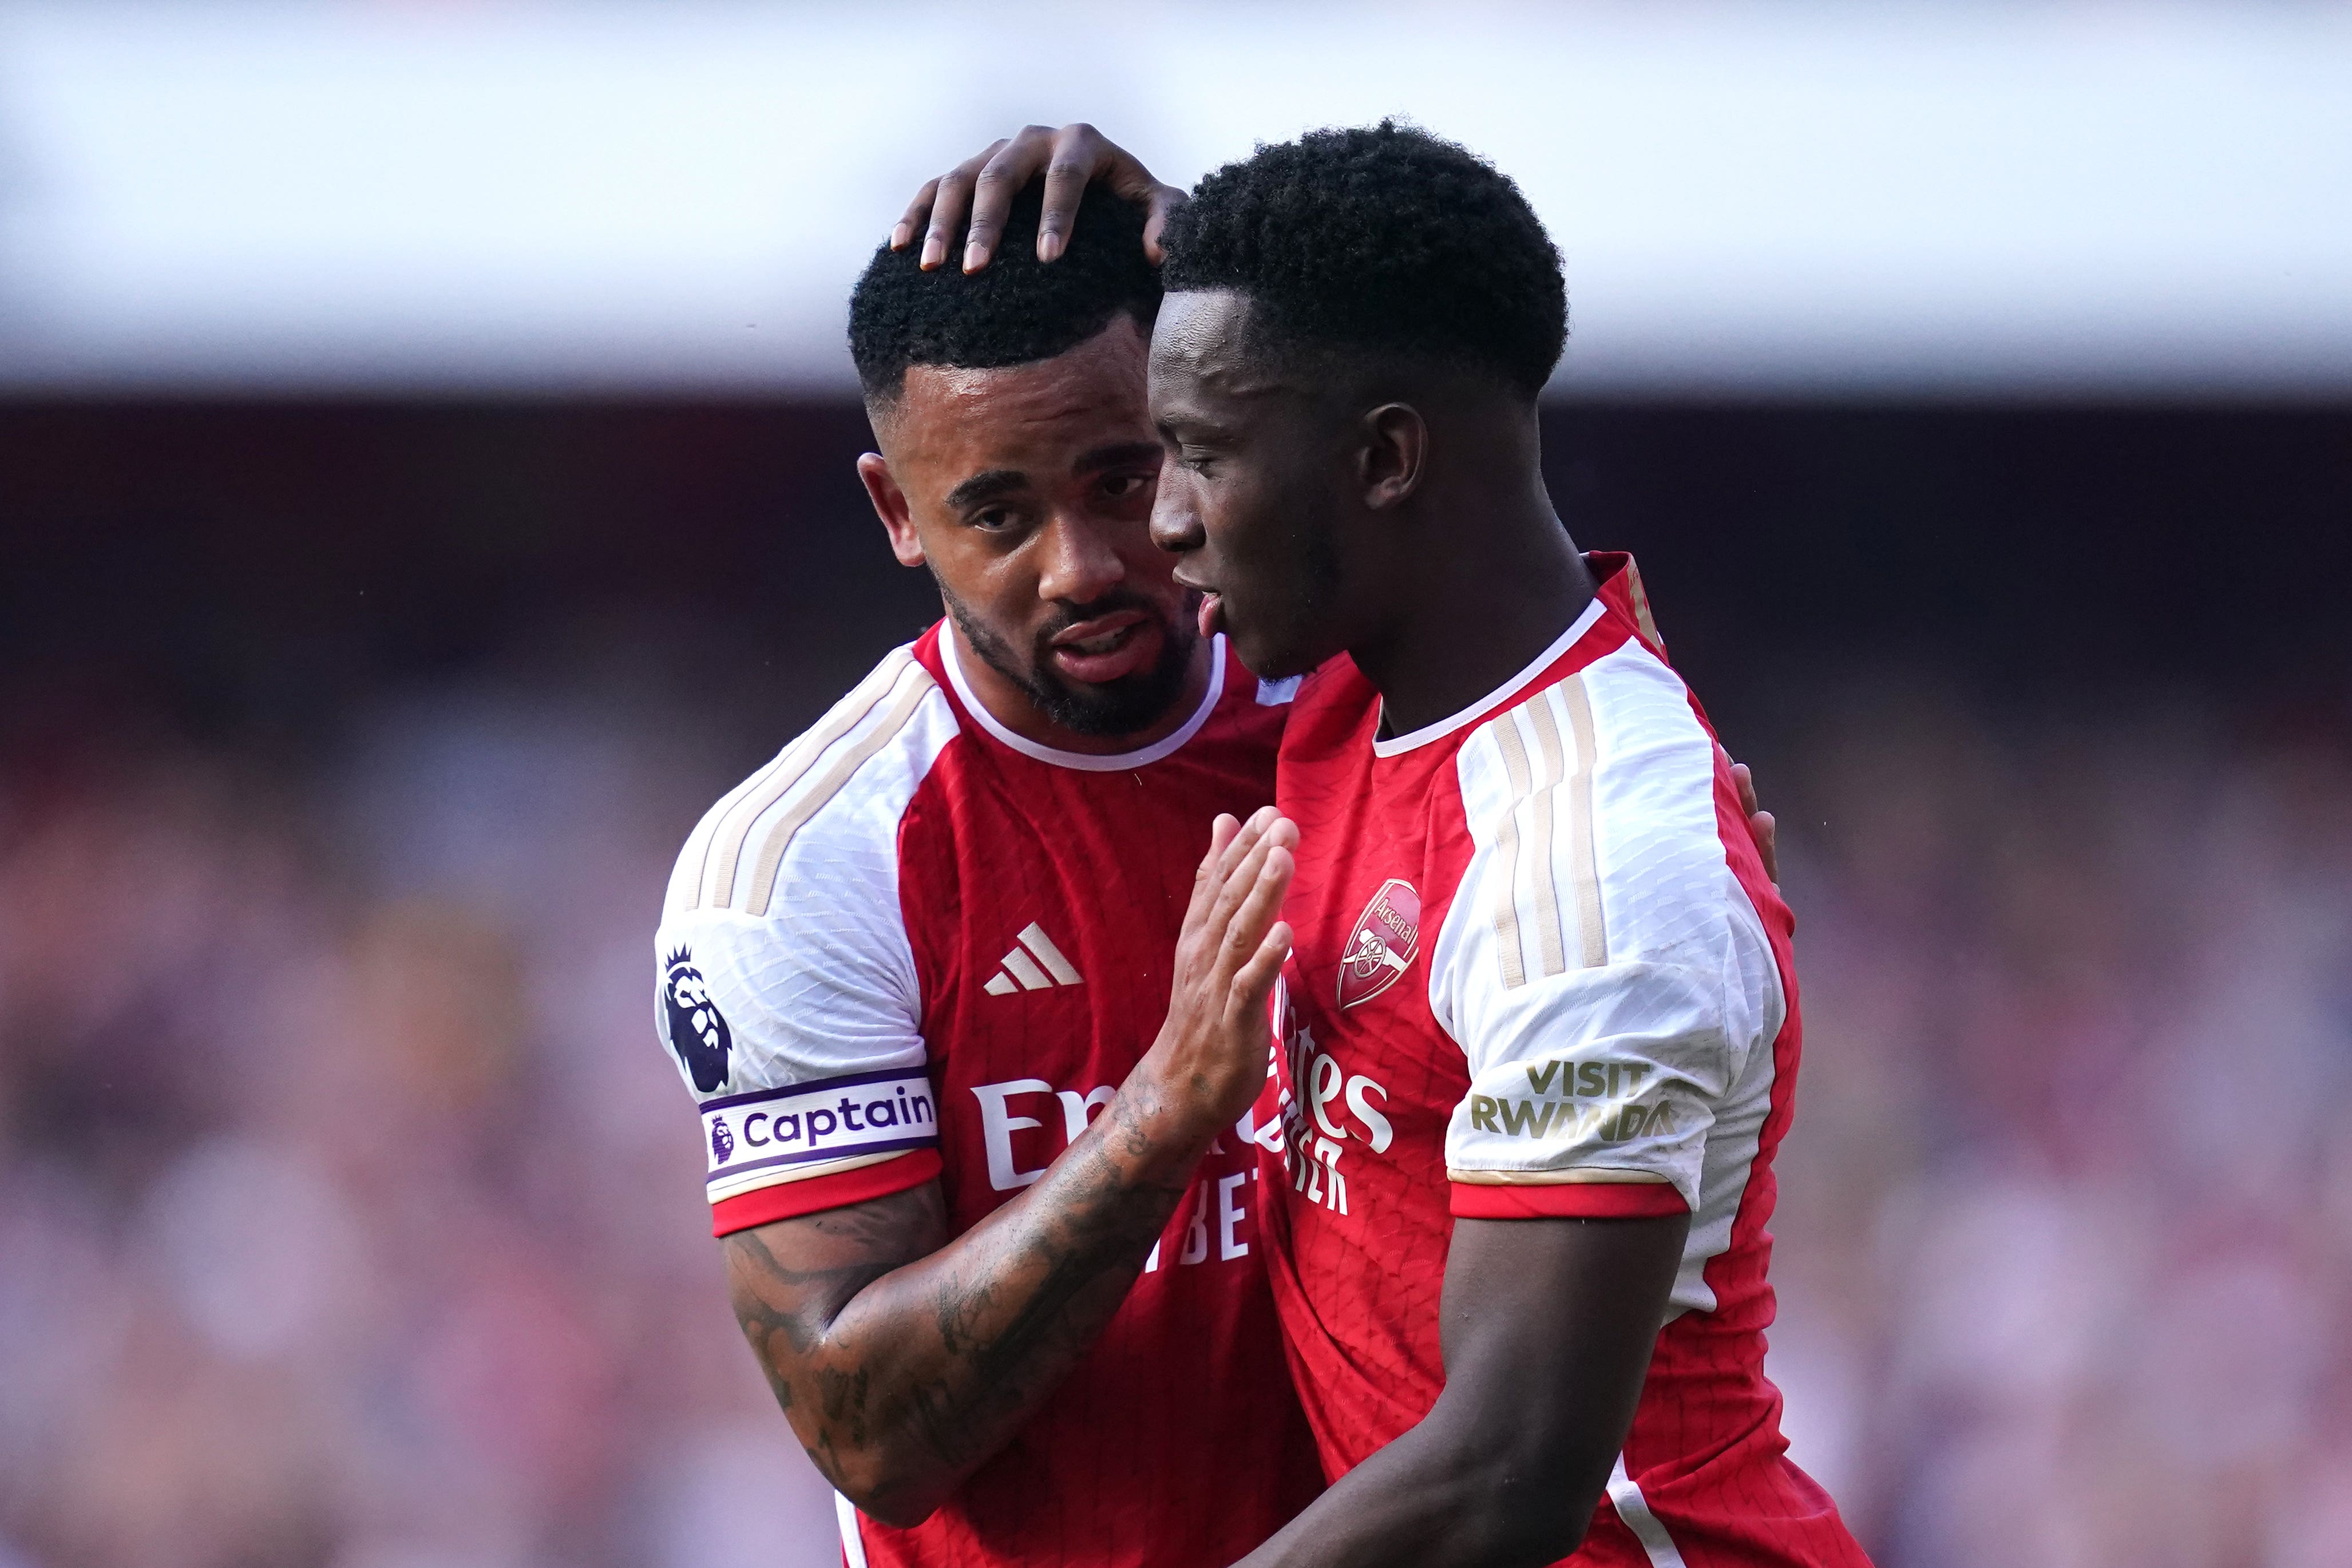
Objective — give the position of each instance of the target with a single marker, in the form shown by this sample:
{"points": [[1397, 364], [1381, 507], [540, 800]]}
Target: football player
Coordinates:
{"points": [[941, 974], [1540, 1029]]}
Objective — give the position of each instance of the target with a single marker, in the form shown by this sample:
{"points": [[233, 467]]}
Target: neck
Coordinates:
{"points": [[1492, 581], [1012, 706]]}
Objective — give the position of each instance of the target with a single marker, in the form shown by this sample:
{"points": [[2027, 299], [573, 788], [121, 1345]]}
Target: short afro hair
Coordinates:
{"points": [[1385, 240], [1016, 310]]}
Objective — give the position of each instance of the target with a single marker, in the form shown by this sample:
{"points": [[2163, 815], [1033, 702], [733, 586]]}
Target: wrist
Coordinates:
{"points": [[1164, 1123]]}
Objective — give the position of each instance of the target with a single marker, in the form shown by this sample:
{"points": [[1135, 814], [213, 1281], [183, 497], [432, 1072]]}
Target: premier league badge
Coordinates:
{"points": [[1380, 948], [696, 1032]]}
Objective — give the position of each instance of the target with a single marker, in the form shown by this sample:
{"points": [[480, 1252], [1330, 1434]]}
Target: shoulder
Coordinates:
{"points": [[784, 975], [783, 950], [1618, 733], [1658, 833], [784, 905], [1601, 964], [836, 793], [1594, 797]]}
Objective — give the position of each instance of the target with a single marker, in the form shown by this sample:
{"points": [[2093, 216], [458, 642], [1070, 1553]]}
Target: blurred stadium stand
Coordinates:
{"points": [[362, 665]]}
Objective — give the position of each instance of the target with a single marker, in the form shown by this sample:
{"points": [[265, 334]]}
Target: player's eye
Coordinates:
{"points": [[996, 520], [1125, 487]]}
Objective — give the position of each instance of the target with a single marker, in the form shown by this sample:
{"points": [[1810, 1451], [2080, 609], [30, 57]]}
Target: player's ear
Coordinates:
{"points": [[890, 506], [1393, 449]]}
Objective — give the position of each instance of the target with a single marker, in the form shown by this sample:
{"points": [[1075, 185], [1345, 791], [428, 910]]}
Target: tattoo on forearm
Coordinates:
{"points": [[1006, 1308]]}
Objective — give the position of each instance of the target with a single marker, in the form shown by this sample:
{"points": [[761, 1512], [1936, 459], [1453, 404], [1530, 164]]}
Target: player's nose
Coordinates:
{"points": [[1175, 519], [1079, 564]]}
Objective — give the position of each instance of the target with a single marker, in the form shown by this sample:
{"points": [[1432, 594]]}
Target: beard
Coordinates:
{"points": [[1126, 706]]}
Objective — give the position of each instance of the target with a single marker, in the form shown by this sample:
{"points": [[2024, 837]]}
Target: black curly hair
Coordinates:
{"points": [[1016, 311], [1381, 239]]}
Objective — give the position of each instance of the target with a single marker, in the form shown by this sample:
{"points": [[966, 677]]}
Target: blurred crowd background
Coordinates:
{"points": [[350, 1213], [364, 659]]}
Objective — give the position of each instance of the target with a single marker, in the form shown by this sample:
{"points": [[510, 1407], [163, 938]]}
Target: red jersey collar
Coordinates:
{"points": [[1083, 762], [1617, 589]]}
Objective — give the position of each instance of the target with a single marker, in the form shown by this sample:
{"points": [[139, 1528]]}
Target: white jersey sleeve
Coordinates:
{"points": [[787, 990], [1606, 976]]}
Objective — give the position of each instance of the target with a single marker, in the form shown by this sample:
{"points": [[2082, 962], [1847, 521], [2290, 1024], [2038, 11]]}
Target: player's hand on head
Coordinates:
{"points": [[1071, 158], [1213, 1047]]}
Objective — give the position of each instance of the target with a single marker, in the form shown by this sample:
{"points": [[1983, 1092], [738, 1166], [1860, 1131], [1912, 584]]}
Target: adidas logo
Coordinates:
{"points": [[1021, 970]]}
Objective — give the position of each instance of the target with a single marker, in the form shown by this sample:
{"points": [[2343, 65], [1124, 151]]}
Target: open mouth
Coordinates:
{"points": [[1211, 610], [1107, 647]]}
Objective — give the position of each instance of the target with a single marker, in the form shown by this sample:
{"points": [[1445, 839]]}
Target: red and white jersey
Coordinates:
{"points": [[918, 945], [1538, 971]]}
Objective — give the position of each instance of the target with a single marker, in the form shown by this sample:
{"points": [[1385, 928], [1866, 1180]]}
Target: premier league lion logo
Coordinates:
{"points": [[722, 1143], [690, 1019]]}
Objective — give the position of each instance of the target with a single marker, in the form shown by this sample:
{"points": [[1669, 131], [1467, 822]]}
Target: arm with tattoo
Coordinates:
{"points": [[903, 1359]]}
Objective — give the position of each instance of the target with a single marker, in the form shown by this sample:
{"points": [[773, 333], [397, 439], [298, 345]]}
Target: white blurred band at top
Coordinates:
{"points": [[1799, 199]]}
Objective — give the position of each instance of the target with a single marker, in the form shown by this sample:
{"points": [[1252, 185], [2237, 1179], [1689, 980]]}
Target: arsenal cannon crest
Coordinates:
{"points": [[1380, 948]]}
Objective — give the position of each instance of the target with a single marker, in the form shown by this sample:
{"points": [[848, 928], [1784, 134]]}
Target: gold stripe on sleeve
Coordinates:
{"points": [[698, 846], [727, 846], [1583, 854], [1507, 850], [1555, 956], [910, 693]]}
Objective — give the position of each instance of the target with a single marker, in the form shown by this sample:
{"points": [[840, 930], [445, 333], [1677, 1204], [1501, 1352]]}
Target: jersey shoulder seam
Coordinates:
{"points": [[733, 859]]}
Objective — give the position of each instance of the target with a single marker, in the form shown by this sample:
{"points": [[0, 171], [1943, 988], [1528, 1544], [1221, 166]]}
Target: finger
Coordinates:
{"points": [[1225, 923], [1766, 834], [1165, 200], [1242, 841], [918, 211], [1744, 781], [1256, 914], [1123, 173], [1235, 869], [1205, 880], [1081, 153], [948, 203], [1005, 174], [1232, 886], [1253, 982], [1205, 916], [1121, 170]]}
